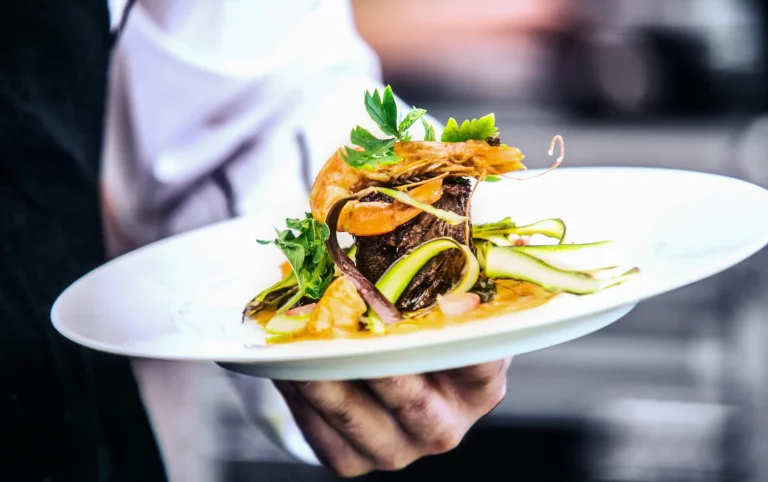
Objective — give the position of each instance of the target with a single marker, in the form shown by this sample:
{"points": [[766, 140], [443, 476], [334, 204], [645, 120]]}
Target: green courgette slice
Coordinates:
{"points": [[553, 228], [287, 324], [510, 262], [577, 257], [397, 278], [498, 233]]}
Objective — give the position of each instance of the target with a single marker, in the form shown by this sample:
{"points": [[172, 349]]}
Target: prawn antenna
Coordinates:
{"points": [[551, 152]]}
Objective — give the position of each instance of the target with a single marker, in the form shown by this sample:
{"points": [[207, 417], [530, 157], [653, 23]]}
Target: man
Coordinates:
{"points": [[206, 123], [233, 114]]}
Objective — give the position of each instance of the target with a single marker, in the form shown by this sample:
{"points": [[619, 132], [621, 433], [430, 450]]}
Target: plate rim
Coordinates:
{"points": [[737, 257]]}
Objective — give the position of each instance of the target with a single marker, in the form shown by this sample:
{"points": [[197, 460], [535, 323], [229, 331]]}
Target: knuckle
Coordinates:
{"points": [[416, 406], [445, 440]]}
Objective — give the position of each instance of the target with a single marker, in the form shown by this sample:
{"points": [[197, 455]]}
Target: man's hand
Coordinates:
{"points": [[386, 424]]}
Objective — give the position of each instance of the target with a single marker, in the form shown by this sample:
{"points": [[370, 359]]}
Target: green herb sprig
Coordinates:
{"points": [[476, 129], [383, 110], [303, 245]]}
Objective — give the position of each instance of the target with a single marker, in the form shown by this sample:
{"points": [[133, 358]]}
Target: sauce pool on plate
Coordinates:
{"points": [[511, 296]]}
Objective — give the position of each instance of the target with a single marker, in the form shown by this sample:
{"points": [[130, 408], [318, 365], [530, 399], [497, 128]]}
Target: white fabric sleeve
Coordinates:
{"points": [[215, 109]]}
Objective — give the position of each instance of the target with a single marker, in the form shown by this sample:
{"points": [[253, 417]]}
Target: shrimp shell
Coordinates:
{"points": [[421, 160]]}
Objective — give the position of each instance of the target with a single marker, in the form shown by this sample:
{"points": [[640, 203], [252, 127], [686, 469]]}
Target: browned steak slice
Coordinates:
{"points": [[377, 253]]}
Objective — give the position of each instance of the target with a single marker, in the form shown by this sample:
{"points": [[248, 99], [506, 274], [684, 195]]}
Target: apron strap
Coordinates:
{"points": [[123, 21]]}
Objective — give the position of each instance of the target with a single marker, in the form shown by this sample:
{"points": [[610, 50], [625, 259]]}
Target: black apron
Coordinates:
{"points": [[66, 413]]}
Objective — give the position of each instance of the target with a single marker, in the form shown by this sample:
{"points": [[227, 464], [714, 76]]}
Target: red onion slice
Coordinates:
{"points": [[387, 311]]}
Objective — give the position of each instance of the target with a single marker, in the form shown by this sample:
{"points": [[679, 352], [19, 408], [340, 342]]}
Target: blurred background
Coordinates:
{"points": [[676, 391]]}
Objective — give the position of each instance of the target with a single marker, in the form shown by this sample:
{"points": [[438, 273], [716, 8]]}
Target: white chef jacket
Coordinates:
{"points": [[221, 108]]}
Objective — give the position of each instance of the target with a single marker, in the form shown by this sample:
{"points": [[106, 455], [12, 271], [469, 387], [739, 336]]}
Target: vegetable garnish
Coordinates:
{"points": [[383, 110], [287, 325], [286, 288], [449, 217], [376, 152], [394, 281], [306, 252], [509, 262], [476, 129], [501, 230], [495, 228], [397, 278], [429, 130], [416, 260], [375, 299], [586, 257], [289, 281]]}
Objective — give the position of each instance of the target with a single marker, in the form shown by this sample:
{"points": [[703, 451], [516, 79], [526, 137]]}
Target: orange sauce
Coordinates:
{"points": [[511, 296]]}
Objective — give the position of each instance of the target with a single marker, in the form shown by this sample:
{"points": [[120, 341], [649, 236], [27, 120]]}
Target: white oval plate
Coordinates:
{"points": [[181, 298]]}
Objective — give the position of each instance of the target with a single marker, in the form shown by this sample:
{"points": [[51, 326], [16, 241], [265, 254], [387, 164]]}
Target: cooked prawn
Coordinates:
{"points": [[339, 310], [420, 161], [376, 218]]}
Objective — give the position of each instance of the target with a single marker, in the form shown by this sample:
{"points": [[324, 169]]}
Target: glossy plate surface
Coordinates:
{"points": [[181, 298]]}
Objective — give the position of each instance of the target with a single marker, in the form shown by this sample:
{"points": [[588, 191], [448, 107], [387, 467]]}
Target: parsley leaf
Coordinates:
{"points": [[429, 131], [376, 151], [303, 245], [383, 110], [361, 137], [476, 129], [410, 119]]}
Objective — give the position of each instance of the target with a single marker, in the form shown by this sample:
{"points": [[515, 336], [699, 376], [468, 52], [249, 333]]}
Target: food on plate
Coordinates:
{"points": [[417, 261]]}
